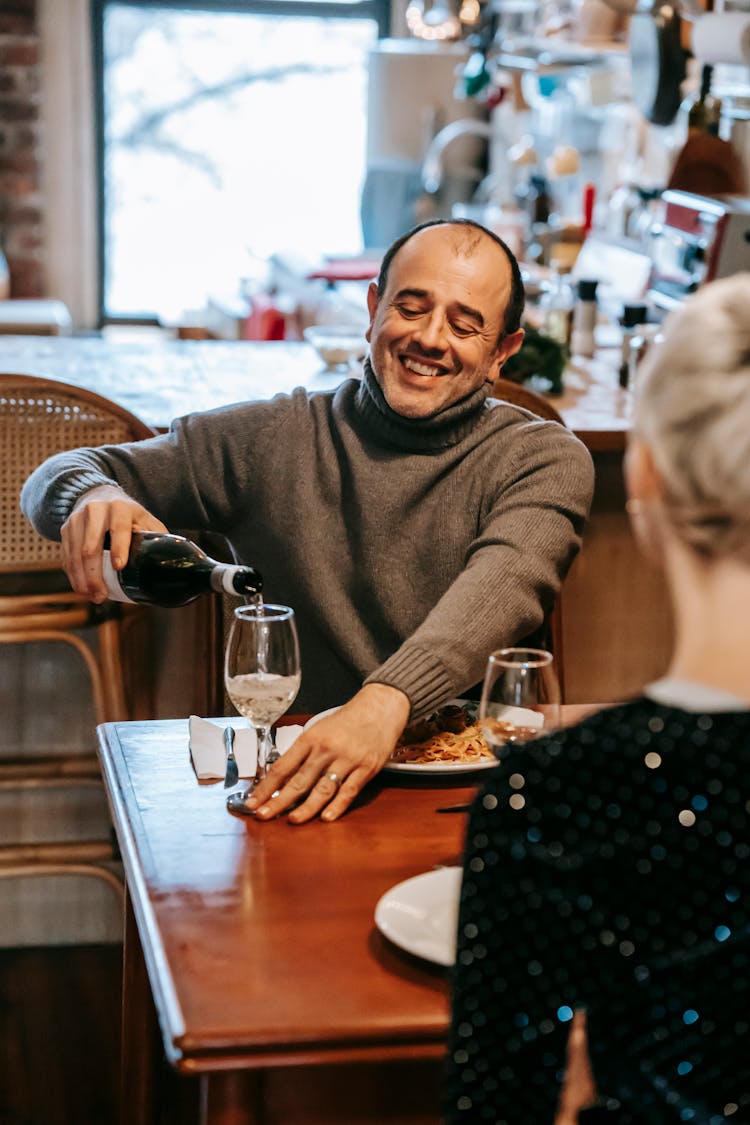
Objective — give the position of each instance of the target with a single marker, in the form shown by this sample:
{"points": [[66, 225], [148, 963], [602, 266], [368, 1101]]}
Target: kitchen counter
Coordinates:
{"points": [[160, 379], [593, 404]]}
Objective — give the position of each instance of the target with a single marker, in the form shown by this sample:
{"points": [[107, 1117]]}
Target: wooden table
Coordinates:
{"points": [[259, 939], [268, 975]]}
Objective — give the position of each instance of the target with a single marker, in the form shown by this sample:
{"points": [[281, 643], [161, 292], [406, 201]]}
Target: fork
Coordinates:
{"points": [[232, 775]]}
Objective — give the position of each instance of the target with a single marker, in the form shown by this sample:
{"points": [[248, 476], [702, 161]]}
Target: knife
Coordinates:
{"points": [[232, 775]]}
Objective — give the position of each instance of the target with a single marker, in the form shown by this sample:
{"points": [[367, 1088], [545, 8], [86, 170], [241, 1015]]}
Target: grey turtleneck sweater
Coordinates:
{"points": [[409, 549]]}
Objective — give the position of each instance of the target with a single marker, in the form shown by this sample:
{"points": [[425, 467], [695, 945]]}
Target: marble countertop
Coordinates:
{"points": [[160, 379]]}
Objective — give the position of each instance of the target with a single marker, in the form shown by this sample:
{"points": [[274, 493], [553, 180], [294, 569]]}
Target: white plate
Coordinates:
{"points": [[431, 768], [320, 715], [440, 767], [420, 915]]}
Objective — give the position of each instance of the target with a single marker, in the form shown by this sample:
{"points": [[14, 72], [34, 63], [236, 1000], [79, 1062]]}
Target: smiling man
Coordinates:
{"points": [[444, 317], [413, 522]]}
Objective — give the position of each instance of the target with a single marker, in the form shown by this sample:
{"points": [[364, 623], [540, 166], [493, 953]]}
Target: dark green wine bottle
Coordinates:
{"points": [[705, 112], [171, 571]]}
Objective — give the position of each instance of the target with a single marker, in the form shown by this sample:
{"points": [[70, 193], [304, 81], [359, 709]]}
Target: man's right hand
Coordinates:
{"points": [[103, 509]]}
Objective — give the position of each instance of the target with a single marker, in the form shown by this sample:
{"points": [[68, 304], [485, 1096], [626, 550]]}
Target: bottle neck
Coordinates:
{"points": [[228, 579], [705, 113]]}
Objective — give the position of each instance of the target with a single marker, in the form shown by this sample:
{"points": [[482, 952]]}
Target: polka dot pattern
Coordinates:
{"points": [[606, 868]]}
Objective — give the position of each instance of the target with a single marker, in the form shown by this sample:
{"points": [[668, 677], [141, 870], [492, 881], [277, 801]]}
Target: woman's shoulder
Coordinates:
{"points": [[625, 728], [619, 741]]}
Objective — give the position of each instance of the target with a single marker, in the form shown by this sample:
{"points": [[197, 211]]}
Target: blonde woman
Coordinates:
{"points": [[607, 868]]}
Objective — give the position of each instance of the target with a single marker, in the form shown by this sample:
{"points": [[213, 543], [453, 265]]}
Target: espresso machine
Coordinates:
{"points": [[699, 238]]}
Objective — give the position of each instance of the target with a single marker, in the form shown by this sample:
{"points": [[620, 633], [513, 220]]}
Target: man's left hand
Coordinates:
{"points": [[330, 762]]}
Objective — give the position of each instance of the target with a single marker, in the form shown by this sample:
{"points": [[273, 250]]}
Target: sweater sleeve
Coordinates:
{"points": [[196, 476], [528, 536]]}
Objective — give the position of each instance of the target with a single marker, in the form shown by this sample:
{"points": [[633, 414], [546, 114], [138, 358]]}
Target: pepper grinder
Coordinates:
{"points": [[582, 340]]}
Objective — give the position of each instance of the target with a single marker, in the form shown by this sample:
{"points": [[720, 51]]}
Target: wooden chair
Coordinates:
{"points": [[39, 417], [519, 395]]}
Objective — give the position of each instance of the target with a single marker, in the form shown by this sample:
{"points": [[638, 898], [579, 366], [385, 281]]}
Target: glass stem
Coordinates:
{"points": [[265, 750]]}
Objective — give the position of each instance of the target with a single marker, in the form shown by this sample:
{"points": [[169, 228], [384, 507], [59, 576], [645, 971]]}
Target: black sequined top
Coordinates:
{"points": [[608, 868]]}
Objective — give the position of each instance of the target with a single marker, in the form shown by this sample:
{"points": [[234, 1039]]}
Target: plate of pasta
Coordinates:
{"points": [[449, 741]]}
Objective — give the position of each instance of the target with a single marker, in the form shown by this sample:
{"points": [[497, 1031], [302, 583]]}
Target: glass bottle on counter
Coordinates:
{"points": [[171, 571], [633, 317], [623, 203], [534, 200], [644, 337], [556, 304]]}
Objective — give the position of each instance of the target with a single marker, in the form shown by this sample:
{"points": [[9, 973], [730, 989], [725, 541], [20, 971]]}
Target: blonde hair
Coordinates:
{"points": [[692, 408]]}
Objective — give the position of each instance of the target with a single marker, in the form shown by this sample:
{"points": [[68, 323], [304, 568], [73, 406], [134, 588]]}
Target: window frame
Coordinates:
{"points": [[377, 10]]}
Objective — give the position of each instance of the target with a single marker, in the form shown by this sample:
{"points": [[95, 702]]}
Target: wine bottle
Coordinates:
{"points": [[705, 113], [169, 570]]}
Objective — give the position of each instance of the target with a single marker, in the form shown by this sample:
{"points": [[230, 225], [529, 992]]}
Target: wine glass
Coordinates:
{"points": [[520, 697], [262, 677]]}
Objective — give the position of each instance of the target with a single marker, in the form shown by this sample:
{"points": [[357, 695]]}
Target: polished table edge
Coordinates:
{"points": [[398, 1051], [603, 441], [165, 998]]}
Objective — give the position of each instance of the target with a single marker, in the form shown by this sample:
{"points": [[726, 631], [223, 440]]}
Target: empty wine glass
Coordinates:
{"points": [[520, 697], [262, 677]]}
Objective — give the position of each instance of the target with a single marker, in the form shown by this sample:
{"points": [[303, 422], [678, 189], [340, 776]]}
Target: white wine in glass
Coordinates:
{"points": [[520, 697], [262, 677]]}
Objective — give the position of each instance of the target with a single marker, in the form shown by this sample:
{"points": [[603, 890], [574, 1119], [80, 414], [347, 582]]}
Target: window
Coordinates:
{"points": [[226, 133]]}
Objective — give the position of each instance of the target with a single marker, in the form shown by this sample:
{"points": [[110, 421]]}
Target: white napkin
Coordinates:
{"points": [[207, 745], [519, 716], [284, 737]]}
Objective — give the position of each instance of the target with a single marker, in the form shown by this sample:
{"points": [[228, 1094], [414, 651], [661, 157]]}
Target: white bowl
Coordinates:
{"points": [[338, 345]]}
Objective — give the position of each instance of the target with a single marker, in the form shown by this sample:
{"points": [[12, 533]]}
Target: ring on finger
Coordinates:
{"points": [[334, 777]]}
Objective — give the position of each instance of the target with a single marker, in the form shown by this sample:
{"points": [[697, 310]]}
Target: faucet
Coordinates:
{"points": [[432, 165]]}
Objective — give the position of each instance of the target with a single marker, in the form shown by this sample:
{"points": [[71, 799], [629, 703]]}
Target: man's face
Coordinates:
{"points": [[435, 333]]}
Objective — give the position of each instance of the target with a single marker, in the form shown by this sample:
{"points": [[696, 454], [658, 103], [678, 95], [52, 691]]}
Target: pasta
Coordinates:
{"points": [[450, 735]]}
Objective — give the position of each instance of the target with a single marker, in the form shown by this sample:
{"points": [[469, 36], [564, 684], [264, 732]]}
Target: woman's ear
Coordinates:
{"points": [[642, 480], [644, 495]]}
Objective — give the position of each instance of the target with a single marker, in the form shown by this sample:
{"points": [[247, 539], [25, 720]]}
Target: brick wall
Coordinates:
{"points": [[21, 218]]}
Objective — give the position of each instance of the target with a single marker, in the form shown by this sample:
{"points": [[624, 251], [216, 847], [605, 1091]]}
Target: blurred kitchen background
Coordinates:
{"points": [[235, 169]]}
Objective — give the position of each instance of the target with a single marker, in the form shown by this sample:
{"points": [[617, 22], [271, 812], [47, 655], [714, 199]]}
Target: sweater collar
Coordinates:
{"points": [[439, 431]]}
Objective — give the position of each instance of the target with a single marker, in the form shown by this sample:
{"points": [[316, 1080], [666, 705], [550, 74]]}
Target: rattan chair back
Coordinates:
{"points": [[39, 417]]}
